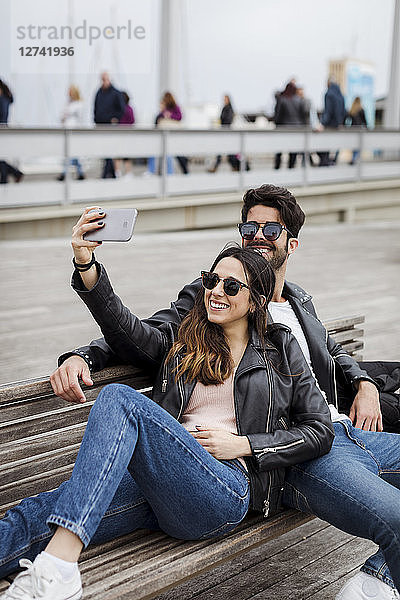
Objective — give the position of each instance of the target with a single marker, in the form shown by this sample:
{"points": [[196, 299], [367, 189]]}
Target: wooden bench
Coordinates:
{"points": [[40, 436]]}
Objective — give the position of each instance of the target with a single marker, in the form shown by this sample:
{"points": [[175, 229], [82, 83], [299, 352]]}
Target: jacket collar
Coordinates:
{"points": [[291, 289]]}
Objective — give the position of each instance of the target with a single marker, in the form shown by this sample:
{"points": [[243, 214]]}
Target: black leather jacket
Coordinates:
{"points": [[328, 359], [278, 406]]}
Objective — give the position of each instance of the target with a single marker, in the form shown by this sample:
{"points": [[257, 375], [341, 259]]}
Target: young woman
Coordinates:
{"points": [[226, 120], [356, 119], [72, 117], [231, 408]]}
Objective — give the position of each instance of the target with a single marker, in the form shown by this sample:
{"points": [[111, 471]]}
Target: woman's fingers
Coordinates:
{"points": [[88, 216], [79, 230]]}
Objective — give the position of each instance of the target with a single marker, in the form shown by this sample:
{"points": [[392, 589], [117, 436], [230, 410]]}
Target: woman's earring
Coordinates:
{"points": [[263, 300]]}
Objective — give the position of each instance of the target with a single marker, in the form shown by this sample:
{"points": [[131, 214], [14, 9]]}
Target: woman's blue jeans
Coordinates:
{"points": [[155, 474], [74, 162], [356, 487]]}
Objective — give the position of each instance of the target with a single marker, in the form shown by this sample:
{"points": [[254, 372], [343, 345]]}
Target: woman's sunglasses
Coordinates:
{"points": [[271, 230], [231, 286]]}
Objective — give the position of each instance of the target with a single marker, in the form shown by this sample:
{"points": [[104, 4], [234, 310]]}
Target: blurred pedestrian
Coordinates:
{"points": [[170, 110], [169, 116], [310, 120], [332, 117], [289, 112], [109, 106], [357, 119], [226, 119], [6, 98], [72, 117], [128, 118]]}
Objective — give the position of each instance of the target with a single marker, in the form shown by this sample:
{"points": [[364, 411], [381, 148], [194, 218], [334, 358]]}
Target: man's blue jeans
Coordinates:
{"points": [[356, 487], [157, 475]]}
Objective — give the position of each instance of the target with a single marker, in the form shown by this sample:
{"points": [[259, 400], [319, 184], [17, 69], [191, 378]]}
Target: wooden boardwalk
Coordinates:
{"points": [[349, 269]]}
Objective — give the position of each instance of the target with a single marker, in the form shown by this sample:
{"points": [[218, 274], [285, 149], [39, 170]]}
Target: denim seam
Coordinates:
{"points": [[40, 538], [301, 495], [124, 508], [236, 469], [189, 451], [215, 531], [71, 526], [389, 471], [378, 575], [361, 445]]}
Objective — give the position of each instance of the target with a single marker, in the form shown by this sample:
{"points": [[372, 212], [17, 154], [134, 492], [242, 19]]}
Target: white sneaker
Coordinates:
{"points": [[43, 580], [366, 587]]}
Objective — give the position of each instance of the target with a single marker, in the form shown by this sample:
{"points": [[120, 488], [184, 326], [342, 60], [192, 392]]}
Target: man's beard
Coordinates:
{"points": [[276, 257]]}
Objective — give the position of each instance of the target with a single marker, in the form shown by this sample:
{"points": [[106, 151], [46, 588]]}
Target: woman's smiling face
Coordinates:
{"points": [[221, 308]]}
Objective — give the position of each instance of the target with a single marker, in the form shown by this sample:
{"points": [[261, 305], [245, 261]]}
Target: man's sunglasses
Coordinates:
{"points": [[231, 286], [271, 230]]}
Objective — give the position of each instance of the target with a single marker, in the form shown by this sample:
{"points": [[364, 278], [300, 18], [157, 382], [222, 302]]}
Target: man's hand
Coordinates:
{"points": [[365, 411], [65, 382], [221, 444]]}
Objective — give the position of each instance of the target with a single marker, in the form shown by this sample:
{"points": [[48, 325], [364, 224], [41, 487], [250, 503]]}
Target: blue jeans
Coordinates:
{"points": [[74, 162], [157, 475], [152, 165], [356, 487]]}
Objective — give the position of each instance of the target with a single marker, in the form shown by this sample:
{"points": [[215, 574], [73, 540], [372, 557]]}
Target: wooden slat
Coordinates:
{"points": [[30, 486], [71, 414], [353, 346], [37, 464], [38, 444], [341, 337], [41, 387], [343, 323]]}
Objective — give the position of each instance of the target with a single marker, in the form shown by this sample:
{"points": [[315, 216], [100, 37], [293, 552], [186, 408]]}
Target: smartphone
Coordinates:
{"points": [[118, 226]]}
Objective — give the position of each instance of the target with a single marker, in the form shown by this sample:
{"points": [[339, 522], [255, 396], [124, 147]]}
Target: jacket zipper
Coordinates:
{"points": [[267, 499], [164, 379], [277, 448], [181, 393], [332, 372], [282, 421]]}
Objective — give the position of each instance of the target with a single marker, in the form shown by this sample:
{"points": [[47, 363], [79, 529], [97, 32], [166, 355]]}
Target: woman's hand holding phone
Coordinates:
{"points": [[83, 249], [89, 221]]}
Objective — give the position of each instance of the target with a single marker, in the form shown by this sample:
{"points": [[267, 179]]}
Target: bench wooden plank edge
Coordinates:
{"points": [[40, 387]]}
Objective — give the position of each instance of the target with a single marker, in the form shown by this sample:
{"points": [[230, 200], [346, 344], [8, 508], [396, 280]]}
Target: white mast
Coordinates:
{"points": [[170, 47]]}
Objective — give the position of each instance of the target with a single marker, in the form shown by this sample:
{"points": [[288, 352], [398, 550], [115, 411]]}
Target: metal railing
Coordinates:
{"points": [[379, 159]]}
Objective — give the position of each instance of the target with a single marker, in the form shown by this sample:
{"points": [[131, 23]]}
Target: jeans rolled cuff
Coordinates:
{"points": [[73, 527], [378, 575]]}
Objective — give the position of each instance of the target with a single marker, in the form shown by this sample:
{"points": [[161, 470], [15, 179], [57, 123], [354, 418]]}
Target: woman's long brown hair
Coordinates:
{"points": [[206, 354]]}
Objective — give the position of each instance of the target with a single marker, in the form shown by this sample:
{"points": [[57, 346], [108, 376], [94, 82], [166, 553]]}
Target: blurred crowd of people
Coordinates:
{"points": [[112, 107]]}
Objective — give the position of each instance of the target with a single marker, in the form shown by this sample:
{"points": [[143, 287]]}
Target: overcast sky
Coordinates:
{"points": [[248, 48], [252, 48]]}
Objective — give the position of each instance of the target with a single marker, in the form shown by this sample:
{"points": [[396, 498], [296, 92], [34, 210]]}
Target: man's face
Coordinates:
{"points": [[105, 80], [275, 252]]}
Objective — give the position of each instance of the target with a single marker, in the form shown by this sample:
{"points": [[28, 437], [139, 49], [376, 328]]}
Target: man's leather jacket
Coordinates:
{"points": [[278, 407], [328, 359]]}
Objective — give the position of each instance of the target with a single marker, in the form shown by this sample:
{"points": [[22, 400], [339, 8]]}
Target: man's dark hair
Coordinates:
{"points": [[279, 198]]}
